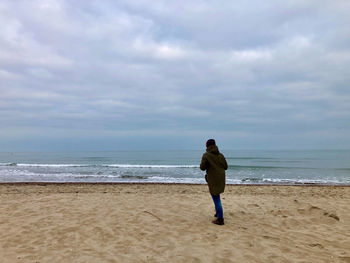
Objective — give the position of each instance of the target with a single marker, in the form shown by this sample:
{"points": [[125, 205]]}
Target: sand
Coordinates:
{"points": [[172, 223]]}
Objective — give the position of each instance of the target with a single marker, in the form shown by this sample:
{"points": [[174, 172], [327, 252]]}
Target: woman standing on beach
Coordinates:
{"points": [[214, 163]]}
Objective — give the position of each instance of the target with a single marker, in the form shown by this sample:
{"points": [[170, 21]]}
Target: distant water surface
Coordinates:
{"points": [[245, 166]]}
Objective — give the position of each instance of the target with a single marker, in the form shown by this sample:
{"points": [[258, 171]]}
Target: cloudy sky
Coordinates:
{"points": [[119, 75]]}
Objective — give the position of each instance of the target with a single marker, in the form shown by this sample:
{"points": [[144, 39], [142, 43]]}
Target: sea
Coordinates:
{"points": [[291, 167]]}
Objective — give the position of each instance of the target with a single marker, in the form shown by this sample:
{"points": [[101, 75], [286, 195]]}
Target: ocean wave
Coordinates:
{"points": [[17, 175], [8, 164], [151, 166], [250, 158], [266, 167], [140, 177], [290, 181], [100, 165]]}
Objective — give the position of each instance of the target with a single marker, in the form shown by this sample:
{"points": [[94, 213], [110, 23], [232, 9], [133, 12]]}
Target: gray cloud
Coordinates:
{"points": [[252, 75]]}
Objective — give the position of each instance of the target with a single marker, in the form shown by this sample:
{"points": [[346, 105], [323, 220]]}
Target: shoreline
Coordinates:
{"points": [[165, 183]]}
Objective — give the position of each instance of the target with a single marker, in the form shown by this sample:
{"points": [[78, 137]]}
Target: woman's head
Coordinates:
{"points": [[210, 142]]}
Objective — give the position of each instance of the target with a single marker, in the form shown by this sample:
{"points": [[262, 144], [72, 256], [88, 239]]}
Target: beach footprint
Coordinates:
{"points": [[319, 213]]}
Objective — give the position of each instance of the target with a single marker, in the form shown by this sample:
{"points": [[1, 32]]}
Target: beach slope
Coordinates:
{"points": [[172, 223]]}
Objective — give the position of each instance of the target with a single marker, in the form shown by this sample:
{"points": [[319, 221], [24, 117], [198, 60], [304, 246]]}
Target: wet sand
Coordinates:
{"points": [[172, 223]]}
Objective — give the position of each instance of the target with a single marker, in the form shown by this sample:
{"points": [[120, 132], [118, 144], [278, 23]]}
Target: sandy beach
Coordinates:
{"points": [[172, 223]]}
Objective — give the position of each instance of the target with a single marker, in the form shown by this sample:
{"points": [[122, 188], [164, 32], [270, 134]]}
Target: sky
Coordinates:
{"points": [[157, 75]]}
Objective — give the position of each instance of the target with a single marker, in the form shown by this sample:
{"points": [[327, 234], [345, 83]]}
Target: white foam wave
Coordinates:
{"points": [[48, 165], [20, 174], [151, 166], [302, 181], [161, 179], [99, 165]]}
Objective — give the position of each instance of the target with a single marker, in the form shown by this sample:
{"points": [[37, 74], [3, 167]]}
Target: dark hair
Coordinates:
{"points": [[210, 142]]}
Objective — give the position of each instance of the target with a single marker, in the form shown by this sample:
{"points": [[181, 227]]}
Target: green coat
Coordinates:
{"points": [[215, 164]]}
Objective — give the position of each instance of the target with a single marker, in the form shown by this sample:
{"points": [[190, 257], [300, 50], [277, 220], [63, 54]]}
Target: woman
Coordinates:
{"points": [[214, 163]]}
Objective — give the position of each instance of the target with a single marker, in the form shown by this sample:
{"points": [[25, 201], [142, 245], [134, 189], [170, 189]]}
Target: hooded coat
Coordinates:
{"points": [[214, 163]]}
